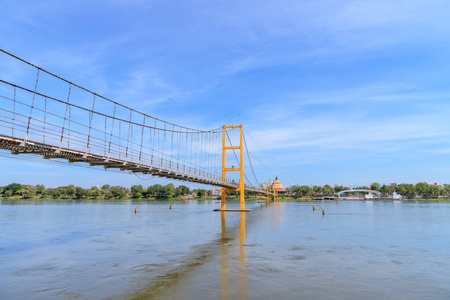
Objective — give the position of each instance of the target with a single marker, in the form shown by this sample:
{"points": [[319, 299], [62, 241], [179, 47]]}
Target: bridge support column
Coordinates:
{"points": [[223, 204], [241, 187], [241, 167], [271, 197], [261, 186]]}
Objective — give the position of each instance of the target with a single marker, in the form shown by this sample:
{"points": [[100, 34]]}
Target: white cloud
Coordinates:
{"points": [[143, 89], [345, 132]]}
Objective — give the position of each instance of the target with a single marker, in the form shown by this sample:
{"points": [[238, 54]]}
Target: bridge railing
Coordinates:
{"points": [[36, 119]]}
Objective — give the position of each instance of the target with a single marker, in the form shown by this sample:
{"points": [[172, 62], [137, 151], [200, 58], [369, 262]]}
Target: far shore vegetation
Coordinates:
{"points": [[418, 191], [153, 192]]}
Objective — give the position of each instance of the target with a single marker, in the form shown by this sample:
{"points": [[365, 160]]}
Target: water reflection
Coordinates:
{"points": [[278, 210], [90, 250], [225, 256]]}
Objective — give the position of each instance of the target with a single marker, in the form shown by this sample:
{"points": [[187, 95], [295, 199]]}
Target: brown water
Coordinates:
{"points": [[96, 250]]}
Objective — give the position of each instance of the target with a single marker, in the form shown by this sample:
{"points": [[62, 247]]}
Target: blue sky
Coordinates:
{"points": [[339, 92]]}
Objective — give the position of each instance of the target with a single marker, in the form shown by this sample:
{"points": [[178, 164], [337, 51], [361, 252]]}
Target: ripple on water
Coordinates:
{"points": [[294, 257], [147, 268], [34, 271], [269, 270], [296, 248], [252, 245]]}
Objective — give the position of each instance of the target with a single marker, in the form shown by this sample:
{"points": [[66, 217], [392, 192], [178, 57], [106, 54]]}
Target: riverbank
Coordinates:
{"points": [[154, 199], [102, 198]]}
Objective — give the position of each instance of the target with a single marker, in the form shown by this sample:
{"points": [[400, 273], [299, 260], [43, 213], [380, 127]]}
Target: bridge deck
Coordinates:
{"points": [[20, 146]]}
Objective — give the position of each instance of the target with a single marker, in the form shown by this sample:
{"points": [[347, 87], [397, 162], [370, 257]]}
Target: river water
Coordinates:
{"points": [[103, 250]]}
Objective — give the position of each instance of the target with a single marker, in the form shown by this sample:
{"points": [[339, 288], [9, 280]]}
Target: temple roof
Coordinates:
{"points": [[277, 186]]}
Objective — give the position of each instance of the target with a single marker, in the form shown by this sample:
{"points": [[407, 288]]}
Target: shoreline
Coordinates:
{"points": [[203, 198]]}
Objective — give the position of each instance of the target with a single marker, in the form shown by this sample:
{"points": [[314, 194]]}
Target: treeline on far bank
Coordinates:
{"points": [[405, 189], [157, 191], [105, 191]]}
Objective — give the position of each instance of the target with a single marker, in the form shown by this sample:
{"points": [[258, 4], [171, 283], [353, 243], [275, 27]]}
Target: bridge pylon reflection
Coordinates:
{"points": [[229, 271]]}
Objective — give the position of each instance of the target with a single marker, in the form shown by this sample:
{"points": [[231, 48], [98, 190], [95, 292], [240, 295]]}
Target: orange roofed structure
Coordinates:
{"points": [[277, 186]]}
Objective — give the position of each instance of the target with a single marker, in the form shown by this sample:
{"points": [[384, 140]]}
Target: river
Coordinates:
{"points": [[104, 250]]}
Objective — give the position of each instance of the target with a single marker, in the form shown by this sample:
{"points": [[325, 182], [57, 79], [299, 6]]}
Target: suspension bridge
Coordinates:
{"points": [[44, 114]]}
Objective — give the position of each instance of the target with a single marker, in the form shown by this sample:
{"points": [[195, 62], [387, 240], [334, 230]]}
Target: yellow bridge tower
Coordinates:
{"points": [[240, 188]]}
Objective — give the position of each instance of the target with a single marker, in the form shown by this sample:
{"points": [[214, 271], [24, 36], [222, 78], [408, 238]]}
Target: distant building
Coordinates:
{"points": [[396, 196], [369, 196], [277, 186]]}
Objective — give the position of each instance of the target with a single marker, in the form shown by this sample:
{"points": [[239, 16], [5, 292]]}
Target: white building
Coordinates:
{"points": [[396, 196]]}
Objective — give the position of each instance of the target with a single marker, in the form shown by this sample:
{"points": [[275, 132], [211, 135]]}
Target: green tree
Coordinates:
{"points": [[119, 191], [154, 190], [317, 189], [293, 190], [28, 191], [8, 193], [170, 189], [435, 190], [14, 188], [375, 186], [387, 189], [105, 188], [446, 189], [71, 190], [162, 191], [301, 191], [394, 187], [201, 192], [40, 189], [338, 188], [422, 188], [410, 189], [183, 189], [94, 192], [80, 192], [305, 190], [327, 189], [137, 191], [54, 193], [62, 191], [401, 189]]}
